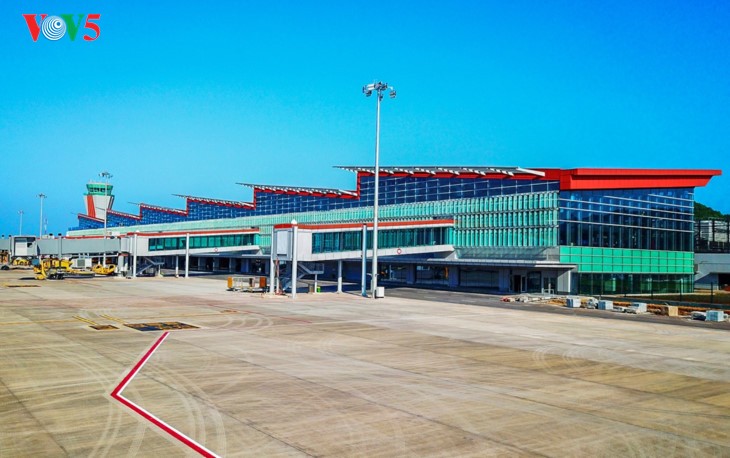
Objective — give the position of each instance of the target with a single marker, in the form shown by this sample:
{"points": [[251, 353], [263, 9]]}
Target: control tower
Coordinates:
{"points": [[99, 199]]}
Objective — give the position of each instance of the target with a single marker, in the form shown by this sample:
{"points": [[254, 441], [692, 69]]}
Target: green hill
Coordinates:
{"points": [[703, 212]]}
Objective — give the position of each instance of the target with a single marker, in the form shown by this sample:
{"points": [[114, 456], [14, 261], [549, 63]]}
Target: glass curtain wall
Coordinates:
{"points": [[629, 241], [394, 191], [207, 241], [329, 242], [647, 219]]}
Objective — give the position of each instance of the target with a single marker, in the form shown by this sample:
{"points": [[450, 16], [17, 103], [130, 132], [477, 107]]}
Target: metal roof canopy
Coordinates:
{"points": [[299, 189], [208, 200], [118, 213], [158, 208], [454, 170]]}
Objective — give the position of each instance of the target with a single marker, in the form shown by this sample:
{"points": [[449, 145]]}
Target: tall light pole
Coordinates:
{"points": [[20, 228], [368, 90], [40, 230], [106, 175]]}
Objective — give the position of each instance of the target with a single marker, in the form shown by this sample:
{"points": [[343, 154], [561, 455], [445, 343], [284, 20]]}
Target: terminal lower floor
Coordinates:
{"points": [[502, 279], [426, 274]]}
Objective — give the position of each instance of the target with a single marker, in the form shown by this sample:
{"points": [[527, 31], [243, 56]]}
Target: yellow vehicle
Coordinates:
{"points": [[57, 269], [101, 269], [51, 268], [21, 262]]}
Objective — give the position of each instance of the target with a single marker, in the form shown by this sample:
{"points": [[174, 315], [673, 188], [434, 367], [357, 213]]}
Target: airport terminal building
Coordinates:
{"points": [[507, 229]]}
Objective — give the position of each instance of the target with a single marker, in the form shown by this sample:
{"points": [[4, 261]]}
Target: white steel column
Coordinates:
{"points": [[339, 276], [134, 259], [294, 260], [368, 90], [570, 286], [187, 255], [374, 267], [272, 265], [363, 280]]}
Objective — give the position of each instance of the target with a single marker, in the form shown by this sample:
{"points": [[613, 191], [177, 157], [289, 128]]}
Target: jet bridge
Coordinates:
{"points": [[136, 252], [312, 245]]}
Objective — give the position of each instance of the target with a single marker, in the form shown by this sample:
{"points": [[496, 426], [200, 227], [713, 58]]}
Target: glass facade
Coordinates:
{"points": [[479, 277], [115, 220], [618, 240], [617, 284], [99, 189], [204, 210], [517, 220], [153, 215], [432, 275], [330, 242], [646, 219], [611, 260], [393, 191], [712, 236], [202, 241], [397, 190], [629, 241]]}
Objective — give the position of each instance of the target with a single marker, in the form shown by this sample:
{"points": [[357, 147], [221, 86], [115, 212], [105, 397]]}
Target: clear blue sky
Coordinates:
{"points": [[192, 97]]}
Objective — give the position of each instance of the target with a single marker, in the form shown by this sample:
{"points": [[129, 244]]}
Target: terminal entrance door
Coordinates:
{"points": [[549, 283], [533, 282], [518, 283]]}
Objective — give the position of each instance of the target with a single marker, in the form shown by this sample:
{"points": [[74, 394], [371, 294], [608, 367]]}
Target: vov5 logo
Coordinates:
{"points": [[55, 27]]}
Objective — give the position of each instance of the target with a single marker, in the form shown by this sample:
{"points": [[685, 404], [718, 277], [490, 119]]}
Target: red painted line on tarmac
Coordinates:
{"points": [[138, 366], [117, 394]]}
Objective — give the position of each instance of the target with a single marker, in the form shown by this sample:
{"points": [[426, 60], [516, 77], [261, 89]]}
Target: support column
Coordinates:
{"points": [[177, 266], [570, 283], [411, 274], [504, 279], [563, 284], [453, 276], [121, 261], [339, 276], [272, 266], [187, 255], [134, 260], [294, 260], [363, 280]]}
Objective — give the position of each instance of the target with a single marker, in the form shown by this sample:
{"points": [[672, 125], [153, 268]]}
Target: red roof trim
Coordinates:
{"points": [[590, 179], [569, 179]]}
